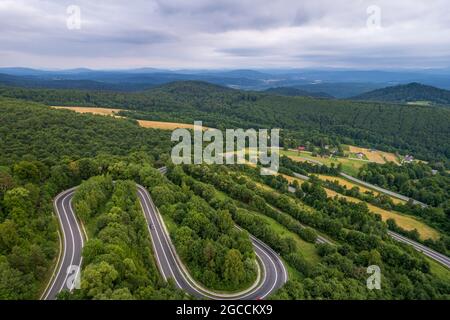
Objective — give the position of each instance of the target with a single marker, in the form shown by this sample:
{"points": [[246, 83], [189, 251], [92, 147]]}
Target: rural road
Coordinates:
{"points": [[366, 184], [273, 273], [72, 243], [271, 277], [382, 190], [439, 257]]}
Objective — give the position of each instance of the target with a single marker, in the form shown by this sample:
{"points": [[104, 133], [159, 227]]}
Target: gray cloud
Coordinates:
{"points": [[219, 33]]}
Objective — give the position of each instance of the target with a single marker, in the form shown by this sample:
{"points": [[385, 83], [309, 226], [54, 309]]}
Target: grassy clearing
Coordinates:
{"points": [[375, 155], [407, 222], [308, 250], [349, 166], [439, 270], [343, 182]]}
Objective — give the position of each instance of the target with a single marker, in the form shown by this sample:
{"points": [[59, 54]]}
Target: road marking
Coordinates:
{"points": [[73, 240], [64, 248], [161, 270], [152, 213], [423, 249], [191, 281], [162, 247], [82, 241]]}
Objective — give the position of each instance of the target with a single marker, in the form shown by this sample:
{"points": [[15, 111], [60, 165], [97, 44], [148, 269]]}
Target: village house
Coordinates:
{"points": [[360, 155], [408, 159]]}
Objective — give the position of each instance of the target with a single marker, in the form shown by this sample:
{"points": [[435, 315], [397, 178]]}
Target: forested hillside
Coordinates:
{"points": [[384, 126], [218, 255], [412, 92], [118, 262], [339, 270], [42, 154], [34, 131], [295, 92], [45, 151]]}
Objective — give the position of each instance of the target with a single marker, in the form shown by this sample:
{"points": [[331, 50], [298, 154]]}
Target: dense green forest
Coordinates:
{"points": [[28, 238], [42, 154], [360, 238], [118, 262], [433, 216], [33, 131], [384, 126], [412, 92], [45, 151], [219, 255]]}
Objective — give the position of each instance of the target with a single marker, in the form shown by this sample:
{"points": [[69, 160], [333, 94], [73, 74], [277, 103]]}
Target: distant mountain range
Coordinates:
{"points": [[412, 93], [292, 91], [324, 83]]}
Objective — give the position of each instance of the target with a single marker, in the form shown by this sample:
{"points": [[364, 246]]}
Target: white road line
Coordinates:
{"points": [[161, 270], [65, 245], [162, 247], [73, 240], [82, 242], [180, 269], [274, 267], [151, 213]]}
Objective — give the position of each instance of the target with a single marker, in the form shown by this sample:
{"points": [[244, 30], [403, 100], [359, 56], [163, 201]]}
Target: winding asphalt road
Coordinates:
{"points": [[70, 258], [271, 276], [439, 257], [272, 273]]}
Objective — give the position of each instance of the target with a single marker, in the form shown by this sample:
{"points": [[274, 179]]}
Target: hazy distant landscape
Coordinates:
{"points": [[335, 83]]}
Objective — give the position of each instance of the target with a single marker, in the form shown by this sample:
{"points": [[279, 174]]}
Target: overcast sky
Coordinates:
{"points": [[225, 34]]}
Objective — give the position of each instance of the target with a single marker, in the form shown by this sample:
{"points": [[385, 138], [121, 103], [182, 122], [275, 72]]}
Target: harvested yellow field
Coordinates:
{"points": [[345, 183], [405, 222], [292, 179], [165, 125], [143, 123], [375, 155], [390, 157], [349, 185], [93, 110], [299, 159]]}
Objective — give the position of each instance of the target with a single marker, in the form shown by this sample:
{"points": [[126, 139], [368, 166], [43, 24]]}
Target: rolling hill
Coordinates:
{"points": [[306, 119], [412, 93]]}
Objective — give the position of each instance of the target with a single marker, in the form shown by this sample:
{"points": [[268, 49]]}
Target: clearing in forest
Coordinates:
{"points": [[375, 155], [143, 123]]}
